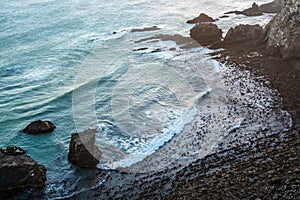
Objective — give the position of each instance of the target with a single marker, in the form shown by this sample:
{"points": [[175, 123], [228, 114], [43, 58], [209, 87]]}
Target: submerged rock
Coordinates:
{"points": [[19, 171], [283, 31], [253, 11], [39, 126], [244, 33], [206, 34], [82, 149], [152, 28], [200, 19]]}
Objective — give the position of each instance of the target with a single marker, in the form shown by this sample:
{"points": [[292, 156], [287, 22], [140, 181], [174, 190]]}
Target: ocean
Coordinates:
{"points": [[152, 101]]}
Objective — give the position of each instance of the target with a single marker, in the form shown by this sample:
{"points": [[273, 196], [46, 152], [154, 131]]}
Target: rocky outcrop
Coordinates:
{"points": [[19, 171], [272, 7], [200, 19], [83, 151], [253, 11], [206, 34], [244, 33], [283, 32], [39, 126]]}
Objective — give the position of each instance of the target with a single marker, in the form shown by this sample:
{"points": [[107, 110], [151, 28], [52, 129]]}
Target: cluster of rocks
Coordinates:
{"points": [[266, 168], [18, 171], [208, 34], [282, 34]]}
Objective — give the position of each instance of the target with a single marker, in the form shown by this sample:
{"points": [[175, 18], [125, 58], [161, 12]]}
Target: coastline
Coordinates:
{"points": [[268, 167], [282, 75]]}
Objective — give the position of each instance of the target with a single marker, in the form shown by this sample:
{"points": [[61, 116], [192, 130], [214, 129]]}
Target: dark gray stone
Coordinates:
{"points": [[39, 126], [206, 34], [82, 149], [244, 33], [200, 19], [18, 171], [272, 7]]}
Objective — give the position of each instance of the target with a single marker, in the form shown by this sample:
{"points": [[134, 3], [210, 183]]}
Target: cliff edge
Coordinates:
{"points": [[283, 31]]}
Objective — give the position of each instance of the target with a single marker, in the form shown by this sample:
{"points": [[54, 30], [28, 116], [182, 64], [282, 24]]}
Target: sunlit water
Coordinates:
{"points": [[60, 61]]}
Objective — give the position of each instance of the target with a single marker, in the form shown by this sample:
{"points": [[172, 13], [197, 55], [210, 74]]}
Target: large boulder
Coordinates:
{"points": [[283, 31], [18, 171], [206, 34], [272, 7], [200, 19], [83, 151], [243, 33], [39, 126]]}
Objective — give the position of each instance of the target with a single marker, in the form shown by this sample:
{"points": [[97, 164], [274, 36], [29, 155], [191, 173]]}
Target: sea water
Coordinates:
{"points": [[78, 64]]}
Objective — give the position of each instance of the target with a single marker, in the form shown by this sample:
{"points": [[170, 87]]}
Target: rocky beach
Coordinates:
{"points": [[266, 167], [255, 63]]}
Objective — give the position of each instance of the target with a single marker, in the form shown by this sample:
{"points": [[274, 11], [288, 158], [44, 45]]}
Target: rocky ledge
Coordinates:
{"points": [[18, 171], [255, 10]]}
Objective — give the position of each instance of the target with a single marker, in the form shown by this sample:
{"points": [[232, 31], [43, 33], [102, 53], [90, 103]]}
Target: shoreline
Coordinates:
{"points": [[268, 167], [282, 75]]}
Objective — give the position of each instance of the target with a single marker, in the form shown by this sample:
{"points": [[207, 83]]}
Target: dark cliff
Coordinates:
{"points": [[283, 31]]}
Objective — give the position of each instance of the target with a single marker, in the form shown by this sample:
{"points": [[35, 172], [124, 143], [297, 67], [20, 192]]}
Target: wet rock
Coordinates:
{"points": [[39, 126], [283, 32], [13, 150], [152, 28], [272, 7], [253, 11], [244, 33], [206, 34], [224, 16], [18, 171], [82, 149], [156, 50], [141, 49], [200, 19]]}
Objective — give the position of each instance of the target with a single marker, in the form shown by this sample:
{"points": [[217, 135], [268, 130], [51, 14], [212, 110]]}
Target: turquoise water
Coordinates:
{"points": [[60, 61]]}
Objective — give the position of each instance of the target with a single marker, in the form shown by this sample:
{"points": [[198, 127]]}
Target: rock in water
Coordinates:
{"points": [[244, 33], [82, 149], [206, 34], [14, 151], [19, 171], [283, 31], [200, 19], [39, 126], [253, 11], [273, 7]]}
